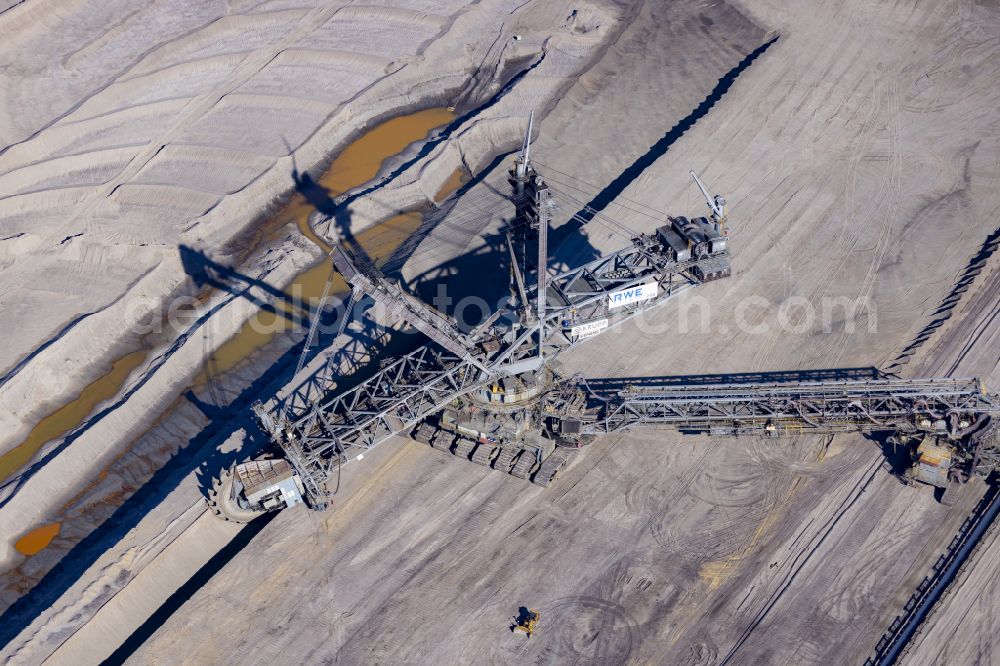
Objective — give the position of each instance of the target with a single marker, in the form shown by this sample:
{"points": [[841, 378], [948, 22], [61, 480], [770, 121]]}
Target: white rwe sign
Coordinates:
{"points": [[636, 294], [590, 328]]}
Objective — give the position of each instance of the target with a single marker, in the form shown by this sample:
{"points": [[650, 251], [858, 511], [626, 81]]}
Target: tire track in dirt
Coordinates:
{"points": [[889, 187], [588, 629], [805, 554]]}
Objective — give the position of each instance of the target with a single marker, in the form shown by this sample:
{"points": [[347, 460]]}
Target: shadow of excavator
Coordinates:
{"points": [[488, 260], [203, 271], [323, 200], [315, 194]]}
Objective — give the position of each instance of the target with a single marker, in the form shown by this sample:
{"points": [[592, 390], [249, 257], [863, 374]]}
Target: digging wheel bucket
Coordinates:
{"points": [[222, 501]]}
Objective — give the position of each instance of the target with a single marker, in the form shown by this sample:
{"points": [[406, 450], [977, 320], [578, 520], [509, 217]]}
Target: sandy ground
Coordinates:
{"points": [[858, 153]]}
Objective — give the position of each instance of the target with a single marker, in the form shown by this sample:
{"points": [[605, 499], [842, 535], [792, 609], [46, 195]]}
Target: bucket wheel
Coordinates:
{"points": [[223, 502]]}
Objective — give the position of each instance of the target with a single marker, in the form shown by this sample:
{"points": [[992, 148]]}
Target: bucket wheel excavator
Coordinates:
{"points": [[491, 396]]}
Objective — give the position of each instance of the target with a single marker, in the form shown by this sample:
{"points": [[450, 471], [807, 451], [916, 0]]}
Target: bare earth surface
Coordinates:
{"points": [[859, 156]]}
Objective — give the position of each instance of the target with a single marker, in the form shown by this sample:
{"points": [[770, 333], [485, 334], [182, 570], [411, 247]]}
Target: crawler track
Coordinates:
{"points": [[517, 462]]}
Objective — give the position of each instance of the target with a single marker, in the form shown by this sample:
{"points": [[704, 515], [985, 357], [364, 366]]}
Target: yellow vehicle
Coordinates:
{"points": [[526, 620]]}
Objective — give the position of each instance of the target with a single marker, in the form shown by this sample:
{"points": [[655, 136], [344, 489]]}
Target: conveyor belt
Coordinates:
{"points": [[826, 406], [902, 629]]}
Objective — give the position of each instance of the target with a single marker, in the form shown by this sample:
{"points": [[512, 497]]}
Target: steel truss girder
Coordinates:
{"points": [[426, 319], [401, 394], [412, 387], [827, 406], [416, 385]]}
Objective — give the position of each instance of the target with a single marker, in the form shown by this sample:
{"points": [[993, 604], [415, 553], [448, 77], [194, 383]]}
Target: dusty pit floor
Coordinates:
{"points": [[858, 153]]}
